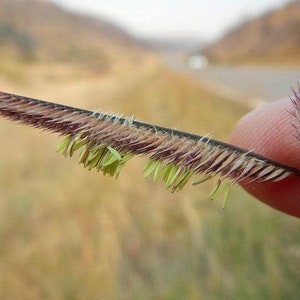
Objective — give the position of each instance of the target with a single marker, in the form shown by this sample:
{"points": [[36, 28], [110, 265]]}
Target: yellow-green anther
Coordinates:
{"points": [[63, 144], [115, 153], [149, 167], [213, 193], [201, 180], [182, 180], [226, 195]]}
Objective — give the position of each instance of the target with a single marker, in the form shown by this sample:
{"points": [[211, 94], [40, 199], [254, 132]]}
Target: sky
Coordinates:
{"points": [[203, 19]]}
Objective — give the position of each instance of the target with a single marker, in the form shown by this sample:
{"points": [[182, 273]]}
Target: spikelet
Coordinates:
{"points": [[296, 103], [106, 142]]}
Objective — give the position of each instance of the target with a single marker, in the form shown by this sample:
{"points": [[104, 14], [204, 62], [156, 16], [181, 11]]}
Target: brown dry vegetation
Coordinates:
{"points": [[66, 233], [40, 31], [273, 38]]}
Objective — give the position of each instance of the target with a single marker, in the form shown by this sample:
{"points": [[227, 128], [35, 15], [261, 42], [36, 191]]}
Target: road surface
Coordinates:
{"points": [[259, 83]]}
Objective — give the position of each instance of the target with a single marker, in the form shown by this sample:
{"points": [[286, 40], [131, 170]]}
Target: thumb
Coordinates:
{"points": [[268, 131]]}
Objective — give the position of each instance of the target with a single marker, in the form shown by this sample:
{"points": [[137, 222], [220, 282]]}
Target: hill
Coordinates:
{"points": [[271, 38], [180, 43], [37, 30]]}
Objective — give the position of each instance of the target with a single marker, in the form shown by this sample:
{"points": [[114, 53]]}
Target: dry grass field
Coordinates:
{"points": [[67, 233]]}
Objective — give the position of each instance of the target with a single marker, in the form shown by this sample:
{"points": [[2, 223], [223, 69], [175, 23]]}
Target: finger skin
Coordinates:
{"points": [[269, 131]]}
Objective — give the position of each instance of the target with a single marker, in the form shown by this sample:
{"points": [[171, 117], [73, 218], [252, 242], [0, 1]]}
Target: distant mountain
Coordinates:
{"points": [[272, 38], [172, 44], [40, 30]]}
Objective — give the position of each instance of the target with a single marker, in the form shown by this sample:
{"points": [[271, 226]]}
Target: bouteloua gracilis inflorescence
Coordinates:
{"points": [[105, 142]]}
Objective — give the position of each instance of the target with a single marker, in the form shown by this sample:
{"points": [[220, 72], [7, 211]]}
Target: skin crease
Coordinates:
{"points": [[269, 131]]}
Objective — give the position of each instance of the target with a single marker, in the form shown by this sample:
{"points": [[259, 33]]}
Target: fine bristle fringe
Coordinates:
{"points": [[296, 103], [108, 141]]}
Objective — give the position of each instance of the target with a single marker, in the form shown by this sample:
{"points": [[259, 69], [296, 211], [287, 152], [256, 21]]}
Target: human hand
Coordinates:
{"points": [[269, 131]]}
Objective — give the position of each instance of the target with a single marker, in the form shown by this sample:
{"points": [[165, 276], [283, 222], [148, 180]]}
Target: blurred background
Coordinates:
{"points": [[66, 233]]}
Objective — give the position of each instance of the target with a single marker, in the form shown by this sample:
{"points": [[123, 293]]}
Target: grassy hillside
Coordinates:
{"points": [[272, 38], [35, 30]]}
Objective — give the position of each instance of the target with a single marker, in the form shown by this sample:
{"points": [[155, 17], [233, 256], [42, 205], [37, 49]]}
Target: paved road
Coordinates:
{"points": [[262, 84], [265, 82]]}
